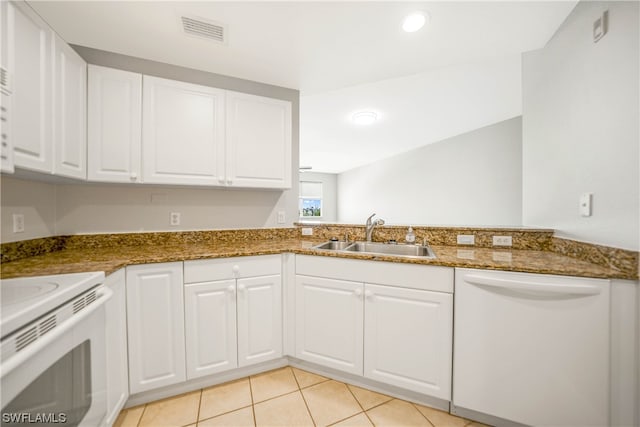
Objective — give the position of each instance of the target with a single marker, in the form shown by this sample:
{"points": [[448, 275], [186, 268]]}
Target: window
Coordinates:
{"points": [[310, 204]]}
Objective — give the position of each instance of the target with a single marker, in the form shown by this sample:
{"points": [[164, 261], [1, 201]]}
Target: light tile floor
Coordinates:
{"points": [[286, 397]]}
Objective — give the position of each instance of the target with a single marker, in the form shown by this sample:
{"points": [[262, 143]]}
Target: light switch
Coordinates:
{"points": [[585, 204]]}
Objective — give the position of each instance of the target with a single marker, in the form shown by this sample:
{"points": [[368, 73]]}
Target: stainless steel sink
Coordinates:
{"points": [[403, 250], [333, 245], [392, 249]]}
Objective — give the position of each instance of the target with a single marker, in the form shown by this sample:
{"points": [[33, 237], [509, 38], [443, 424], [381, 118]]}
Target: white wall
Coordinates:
{"points": [[581, 123], [35, 200], [470, 179], [61, 209], [329, 194]]}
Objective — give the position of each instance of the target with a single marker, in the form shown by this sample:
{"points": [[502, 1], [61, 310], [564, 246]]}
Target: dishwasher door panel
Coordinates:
{"points": [[532, 348]]}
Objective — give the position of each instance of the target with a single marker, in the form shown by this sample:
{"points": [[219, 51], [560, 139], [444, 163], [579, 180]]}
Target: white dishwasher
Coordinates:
{"points": [[531, 348]]}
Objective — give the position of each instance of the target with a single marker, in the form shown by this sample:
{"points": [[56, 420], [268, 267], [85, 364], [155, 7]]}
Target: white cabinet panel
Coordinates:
{"points": [[258, 141], [210, 312], [30, 62], [116, 335], [329, 322], [70, 108], [408, 339], [259, 319], [155, 320], [183, 133], [114, 125], [6, 109]]}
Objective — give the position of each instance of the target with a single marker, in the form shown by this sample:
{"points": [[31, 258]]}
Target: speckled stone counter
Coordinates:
{"points": [[109, 258]]}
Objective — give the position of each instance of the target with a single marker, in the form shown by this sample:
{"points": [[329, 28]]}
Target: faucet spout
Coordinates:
{"points": [[370, 225]]}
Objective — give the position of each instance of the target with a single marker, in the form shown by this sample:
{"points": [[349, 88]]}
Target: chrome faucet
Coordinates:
{"points": [[370, 225]]}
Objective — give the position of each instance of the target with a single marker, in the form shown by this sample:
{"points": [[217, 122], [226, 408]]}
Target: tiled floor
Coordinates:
{"points": [[286, 397]]}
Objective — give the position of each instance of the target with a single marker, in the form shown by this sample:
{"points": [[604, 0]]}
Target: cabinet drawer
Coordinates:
{"points": [[424, 277], [231, 268]]}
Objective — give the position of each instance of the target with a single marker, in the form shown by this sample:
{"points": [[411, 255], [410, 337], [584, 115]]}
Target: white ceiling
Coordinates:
{"points": [[341, 56]]}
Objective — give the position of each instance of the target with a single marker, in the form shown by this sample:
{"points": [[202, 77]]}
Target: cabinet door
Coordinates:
{"points": [[259, 319], [6, 151], [30, 62], [70, 112], [155, 321], [329, 322], [182, 133], [116, 333], [114, 125], [408, 339], [210, 313], [258, 141]]}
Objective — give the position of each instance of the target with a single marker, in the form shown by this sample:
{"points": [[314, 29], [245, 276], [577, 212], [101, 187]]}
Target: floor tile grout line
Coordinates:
{"points": [[253, 405], [303, 399], [346, 418], [363, 410], [420, 412], [141, 415], [199, 406], [226, 413]]}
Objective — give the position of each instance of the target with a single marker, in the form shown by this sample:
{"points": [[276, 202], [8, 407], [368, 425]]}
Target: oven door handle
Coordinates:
{"points": [[103, 295]]}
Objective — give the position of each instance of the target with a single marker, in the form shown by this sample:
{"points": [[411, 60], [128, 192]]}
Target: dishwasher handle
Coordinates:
{"points": [[533, 287]]}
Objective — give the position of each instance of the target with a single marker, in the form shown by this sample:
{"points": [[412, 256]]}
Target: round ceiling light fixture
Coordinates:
{"points": [[414, 21], [364, 118]]}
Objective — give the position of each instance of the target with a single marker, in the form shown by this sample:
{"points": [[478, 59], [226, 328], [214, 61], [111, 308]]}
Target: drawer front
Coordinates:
{"points": [[231, 268], [415, 276]]}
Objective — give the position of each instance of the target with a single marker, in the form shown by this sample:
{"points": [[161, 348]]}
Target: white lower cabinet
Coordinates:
{"points": [[233, 313], [116, 335], [408, 339], [389, 322], [155, 321], [210, 329], [329, 322]]}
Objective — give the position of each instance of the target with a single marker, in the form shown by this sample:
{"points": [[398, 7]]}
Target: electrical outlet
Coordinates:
{"points": [[281, 217], [18, 223], [307, 231], [586, 201], [466, 239], [502, 241], [175, 218]]}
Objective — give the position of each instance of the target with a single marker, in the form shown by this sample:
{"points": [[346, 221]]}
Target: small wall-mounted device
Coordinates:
{"points": [[601, 26]]}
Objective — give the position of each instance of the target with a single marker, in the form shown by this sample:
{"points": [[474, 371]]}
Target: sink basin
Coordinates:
{"points": [[403, 250], [333, 245], [392, 249]]}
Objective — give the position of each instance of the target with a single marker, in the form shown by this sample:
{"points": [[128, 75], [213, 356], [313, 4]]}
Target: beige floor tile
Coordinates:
{"points": [[225, 398], [176, 411], [360, 420], [397, 413], [477, 424], [288, 410], [129, 417], [306, 379], [272, 384], [440, 418], [367, 398], [329, 402], [240, 418]]}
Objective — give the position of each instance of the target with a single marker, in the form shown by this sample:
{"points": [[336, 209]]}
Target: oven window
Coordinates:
{"points": [[61, 395]]}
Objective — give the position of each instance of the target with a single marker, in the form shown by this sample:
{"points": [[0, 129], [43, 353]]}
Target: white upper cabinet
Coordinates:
{"points": [[183, 133], [258, 141], [29, 63], [6, 152], [114, 125], [70, 112]]}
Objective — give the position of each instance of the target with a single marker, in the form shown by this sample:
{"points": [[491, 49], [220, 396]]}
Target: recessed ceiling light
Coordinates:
{"points": [[364, 118], [414, 21]]}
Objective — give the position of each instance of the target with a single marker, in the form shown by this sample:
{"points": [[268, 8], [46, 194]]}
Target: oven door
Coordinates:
{"points": [[60, 378]]}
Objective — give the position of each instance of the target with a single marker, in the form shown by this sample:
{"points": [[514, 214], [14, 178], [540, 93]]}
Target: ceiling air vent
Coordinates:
{"points": [[199, 27]]}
